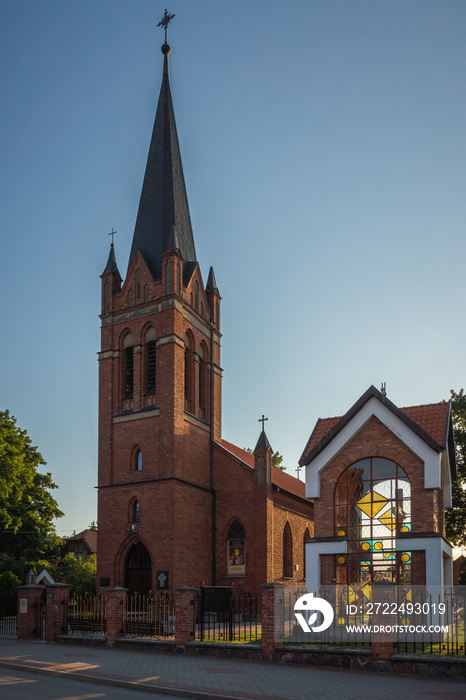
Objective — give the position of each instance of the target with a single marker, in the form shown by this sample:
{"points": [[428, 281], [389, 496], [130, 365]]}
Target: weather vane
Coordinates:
{"points": [[165, 21]]}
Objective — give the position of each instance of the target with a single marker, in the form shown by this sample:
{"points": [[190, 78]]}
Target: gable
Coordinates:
{"points": [[319, 454]]}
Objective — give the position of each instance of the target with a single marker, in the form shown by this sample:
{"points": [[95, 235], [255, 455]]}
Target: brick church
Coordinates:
{"points": [[177, 504]]}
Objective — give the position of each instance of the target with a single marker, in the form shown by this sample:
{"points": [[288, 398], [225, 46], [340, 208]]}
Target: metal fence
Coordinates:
{"points": [[337, 634], [86, 615], [222, 616], [149, 616], [431, 612]]}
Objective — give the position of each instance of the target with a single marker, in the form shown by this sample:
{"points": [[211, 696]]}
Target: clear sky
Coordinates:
{"points": [[324, 151]]}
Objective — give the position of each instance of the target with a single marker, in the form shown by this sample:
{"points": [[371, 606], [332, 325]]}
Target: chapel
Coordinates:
{"points": [[380, 478], [178, 505]]}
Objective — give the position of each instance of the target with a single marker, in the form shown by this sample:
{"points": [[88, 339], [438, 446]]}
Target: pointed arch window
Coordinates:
{"points": [[236, 549], [150, 361], [188, 372], [202, 382], [307, 536], [128, 366], [136, 512], [168, 277], [138, 461], [138, 285], [106, 296], [287, 552]]}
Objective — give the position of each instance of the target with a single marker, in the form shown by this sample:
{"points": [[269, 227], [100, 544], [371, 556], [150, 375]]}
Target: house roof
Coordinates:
{"points": [[164, 201], [432, 422], [89, 537], [280, 479]]}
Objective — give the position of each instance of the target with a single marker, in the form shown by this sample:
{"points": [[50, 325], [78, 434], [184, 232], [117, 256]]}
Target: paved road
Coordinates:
{"points": [[207, 678], [27, 685]]}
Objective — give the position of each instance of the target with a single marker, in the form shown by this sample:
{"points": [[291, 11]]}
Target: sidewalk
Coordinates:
{"points": [[203, 677]]}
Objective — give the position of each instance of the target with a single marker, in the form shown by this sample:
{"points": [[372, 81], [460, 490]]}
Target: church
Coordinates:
{"points": [[177, 504]]}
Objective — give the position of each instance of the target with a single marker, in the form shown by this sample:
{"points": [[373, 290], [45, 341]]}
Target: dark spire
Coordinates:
{"points": [[164, 202], [211, 282], [262, 442], [111, 265]]}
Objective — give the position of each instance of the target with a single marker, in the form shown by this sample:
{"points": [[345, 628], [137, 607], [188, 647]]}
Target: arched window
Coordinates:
{"points": [[150, 360], [191, 298], [188, 372], [372, 505], [236, 549], [202, 382], [106, 296], [168, 278], [178, 280], [136, 512], [307, 536], [138, 286], [287, 552], [138, 461], [128, 366]]}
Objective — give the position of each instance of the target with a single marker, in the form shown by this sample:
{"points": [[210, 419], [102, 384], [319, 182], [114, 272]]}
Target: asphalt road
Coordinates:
{"points": [[21, 685]]}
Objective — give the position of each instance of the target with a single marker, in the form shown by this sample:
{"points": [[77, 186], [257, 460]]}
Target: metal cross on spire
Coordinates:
{"points": [[112, 233], [165, 21], [262, 420]]}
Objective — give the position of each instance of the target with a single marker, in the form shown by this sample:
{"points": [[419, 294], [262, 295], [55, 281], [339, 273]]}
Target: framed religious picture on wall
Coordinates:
{"points": [[237, 556]]}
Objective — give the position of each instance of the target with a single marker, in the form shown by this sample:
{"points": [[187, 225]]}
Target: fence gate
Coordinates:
{"points": [[216, 612]]}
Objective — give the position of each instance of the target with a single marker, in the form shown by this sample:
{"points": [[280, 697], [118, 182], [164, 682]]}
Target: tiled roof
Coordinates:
{"points": [[284, 481], [89, 537], [431, 418]]}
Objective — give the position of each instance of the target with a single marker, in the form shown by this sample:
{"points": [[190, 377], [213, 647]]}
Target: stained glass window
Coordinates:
{"points": [[372, 506]]}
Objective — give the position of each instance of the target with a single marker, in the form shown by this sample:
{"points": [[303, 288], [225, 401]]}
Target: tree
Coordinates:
{"points": [[277, 458], [456, 515], [80, 574], [27, 508]]}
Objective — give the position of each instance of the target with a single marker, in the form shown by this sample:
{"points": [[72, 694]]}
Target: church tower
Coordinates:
{"points": [[159, 388]]}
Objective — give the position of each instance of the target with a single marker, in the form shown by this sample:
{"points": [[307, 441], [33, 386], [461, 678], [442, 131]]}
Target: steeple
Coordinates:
{"points": [[164, 202]]}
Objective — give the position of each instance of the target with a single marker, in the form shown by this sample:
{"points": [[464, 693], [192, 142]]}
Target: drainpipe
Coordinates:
{"points": [[212, 489]]}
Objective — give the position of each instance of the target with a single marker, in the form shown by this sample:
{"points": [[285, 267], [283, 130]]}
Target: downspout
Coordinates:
{"points": [[212, 489]]}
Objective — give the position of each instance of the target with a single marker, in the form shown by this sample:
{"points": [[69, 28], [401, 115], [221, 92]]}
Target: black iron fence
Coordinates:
{"points": [[436, 623], [223, 616], [346, 630], [151, 616], [86, 615]]}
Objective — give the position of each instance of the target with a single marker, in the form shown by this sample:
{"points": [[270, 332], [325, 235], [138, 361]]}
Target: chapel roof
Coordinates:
{"points": [[429, 421], [164, 201]]}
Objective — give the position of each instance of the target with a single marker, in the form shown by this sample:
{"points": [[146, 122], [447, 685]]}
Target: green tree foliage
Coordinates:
{"points": [[8, 592], [80, 574], [277, 458], [27, 508], [456, 515]]}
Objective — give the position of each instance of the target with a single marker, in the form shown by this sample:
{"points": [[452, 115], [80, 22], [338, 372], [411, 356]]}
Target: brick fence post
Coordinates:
{"points": [[383, 643], [185, 615], [28, 599], [272, 617], [116, 598], [56, 611]]}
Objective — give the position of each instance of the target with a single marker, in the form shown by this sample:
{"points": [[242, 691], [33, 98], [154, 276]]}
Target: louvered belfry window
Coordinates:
{"points": [[150, 359], [129, 372]]}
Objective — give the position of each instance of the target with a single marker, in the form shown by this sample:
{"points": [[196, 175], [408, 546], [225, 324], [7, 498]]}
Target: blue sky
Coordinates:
{"points": [[324, 150]]}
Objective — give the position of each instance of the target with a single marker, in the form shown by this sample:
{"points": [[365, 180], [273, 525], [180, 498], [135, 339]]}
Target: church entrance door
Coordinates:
{"points": [[138, 569]]}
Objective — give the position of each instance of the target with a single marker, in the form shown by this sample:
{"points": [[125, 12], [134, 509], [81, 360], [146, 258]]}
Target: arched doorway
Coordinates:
{"points": [[138, 569]]}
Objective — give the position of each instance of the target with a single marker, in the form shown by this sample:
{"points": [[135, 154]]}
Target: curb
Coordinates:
{"points": [[131, 685]]}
